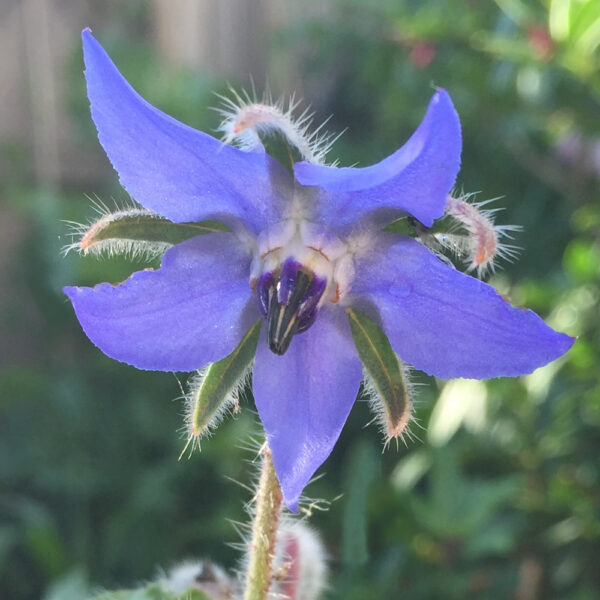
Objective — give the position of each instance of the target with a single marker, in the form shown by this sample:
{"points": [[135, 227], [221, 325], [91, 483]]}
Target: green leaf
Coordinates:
{"points": [[213, 390], [386, 373], [455, 505], [72, 586], [360, 476]]}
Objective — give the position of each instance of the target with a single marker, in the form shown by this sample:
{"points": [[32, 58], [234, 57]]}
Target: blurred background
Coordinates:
{"points": [[499, 497]]}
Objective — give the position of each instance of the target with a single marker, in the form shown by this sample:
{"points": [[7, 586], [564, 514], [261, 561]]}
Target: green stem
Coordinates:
{"points": [[264, 531]]}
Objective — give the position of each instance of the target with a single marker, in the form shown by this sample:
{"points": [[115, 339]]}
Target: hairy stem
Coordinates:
{"points": [[264, 531]]}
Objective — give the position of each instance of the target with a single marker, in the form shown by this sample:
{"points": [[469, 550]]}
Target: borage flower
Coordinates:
{"points": [[302, 254]]}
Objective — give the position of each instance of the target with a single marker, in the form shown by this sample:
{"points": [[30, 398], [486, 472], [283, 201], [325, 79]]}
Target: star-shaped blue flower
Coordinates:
{"points": [[301, 250]]}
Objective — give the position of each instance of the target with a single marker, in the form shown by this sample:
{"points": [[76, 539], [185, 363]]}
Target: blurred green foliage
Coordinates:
{"points": [[501, 496]]}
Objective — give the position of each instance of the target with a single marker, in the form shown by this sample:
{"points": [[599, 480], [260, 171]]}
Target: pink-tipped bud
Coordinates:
{"points": [[482, 240], [245, 121], [199, 575], [131, 231], [300, 567], [120, 232]]}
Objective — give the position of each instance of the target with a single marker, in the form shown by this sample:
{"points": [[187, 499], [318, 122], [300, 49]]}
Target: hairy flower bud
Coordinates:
{"points": [[482, 243], [199, 575], [300, 566], [245, 120]]}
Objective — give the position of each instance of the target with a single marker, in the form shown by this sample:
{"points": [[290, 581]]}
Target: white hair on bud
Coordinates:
{"points": [[483, 241], [85, 235], [300, 562], [245, 120], [202, 575]]}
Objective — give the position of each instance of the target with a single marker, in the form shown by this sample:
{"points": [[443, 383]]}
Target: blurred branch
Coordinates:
{"points": [[542, 167], [42, 91]]}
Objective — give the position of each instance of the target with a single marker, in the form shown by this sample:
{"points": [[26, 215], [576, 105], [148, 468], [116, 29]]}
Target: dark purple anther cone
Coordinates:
{"points": [[289, 299], [287, 280]]}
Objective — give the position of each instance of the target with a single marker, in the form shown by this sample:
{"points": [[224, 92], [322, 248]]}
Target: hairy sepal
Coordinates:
{"points": [[213, 391], [246, 121], [481, 242], [135, 232], [386, 378]]}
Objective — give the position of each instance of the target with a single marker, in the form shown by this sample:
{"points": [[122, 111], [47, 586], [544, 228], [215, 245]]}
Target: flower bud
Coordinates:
{"points": [[199, 575], [244, 121], [300, 567], [482, 242]]}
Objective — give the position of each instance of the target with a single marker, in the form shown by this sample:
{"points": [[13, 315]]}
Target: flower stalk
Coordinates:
{"points": [[267, 514]]}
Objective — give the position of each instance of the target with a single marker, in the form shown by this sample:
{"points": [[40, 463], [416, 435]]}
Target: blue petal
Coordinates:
{"points": [[304, 398], [193, 310], [415, 179], [170, 168], [446, 323]]}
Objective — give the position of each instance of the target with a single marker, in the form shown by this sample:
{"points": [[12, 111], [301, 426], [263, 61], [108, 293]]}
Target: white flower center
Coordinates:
{"points": [[296, 268], [314, 247]]}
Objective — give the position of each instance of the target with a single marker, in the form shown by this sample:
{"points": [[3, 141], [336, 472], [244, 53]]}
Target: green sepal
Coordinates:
{"points": [[218, 381], [143, 226], [402, 226], [385, 372]]}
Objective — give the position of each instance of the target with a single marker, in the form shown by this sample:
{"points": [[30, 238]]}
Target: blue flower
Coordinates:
{"points": [[301, 250]]}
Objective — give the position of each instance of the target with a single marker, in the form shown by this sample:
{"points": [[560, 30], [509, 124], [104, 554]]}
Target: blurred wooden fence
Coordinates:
{"points": [[224, 37]]}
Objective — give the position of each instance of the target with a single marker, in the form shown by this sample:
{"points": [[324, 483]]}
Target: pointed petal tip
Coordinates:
{"points": [[291, 487], [70, 291], [415, 179], [88, 40], [449, 324], [304, 397], [564, 343], [151, 322], [291, 503], [167, 165], [440, 93]]}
